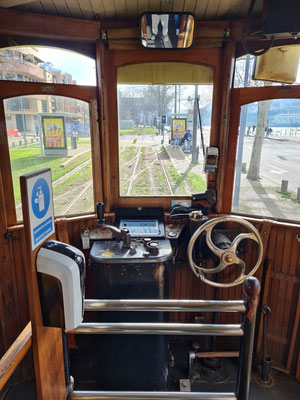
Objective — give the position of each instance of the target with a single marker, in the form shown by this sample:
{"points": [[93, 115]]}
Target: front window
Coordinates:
{"points": [[159, 155], [160, 147]]}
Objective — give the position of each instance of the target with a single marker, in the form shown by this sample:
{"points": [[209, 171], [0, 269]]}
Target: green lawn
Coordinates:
{"points": [[147, 130], [127, 131], [196, 183], [28, 159], [79, 141]]}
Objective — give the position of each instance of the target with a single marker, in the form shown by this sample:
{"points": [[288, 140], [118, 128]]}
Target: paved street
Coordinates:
{"points": [[280, 160]]}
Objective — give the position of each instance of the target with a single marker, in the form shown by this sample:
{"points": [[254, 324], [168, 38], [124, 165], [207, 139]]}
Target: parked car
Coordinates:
{"points": [[13, 132]]}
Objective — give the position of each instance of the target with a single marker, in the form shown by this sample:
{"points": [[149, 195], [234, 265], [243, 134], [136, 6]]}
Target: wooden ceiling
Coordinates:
{"points": [[105, 10]]}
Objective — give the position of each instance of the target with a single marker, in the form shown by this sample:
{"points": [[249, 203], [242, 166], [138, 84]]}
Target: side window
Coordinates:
{"points": [[267, 181], [52, 131], [45, 64]]}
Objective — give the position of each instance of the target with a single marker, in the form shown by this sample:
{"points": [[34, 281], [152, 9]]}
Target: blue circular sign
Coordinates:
{"points": [[40, 198]]}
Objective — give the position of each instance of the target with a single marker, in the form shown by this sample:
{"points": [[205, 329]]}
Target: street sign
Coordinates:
{"points": [[40, 204]]}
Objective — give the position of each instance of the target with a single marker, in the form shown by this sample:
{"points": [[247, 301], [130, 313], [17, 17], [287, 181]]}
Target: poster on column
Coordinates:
{"points": [[40, 202]]}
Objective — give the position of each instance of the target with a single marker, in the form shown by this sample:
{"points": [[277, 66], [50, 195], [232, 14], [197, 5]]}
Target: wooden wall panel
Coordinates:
{"points": [[283, 253]]}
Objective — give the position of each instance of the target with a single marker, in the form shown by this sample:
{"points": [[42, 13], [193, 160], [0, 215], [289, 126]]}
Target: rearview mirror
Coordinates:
{"points": [[167, 31]]}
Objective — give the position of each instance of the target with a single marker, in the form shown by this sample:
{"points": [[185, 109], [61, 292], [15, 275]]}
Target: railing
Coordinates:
{"points": [[152, 395], [15, 355], [246, 330], [165, 305]]}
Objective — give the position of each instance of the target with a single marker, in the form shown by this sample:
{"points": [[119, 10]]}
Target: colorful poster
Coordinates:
{"points": [[54, 132], [179, 125]]}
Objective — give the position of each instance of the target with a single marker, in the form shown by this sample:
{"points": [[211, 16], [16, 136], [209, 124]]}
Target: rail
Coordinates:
{"points": [[151, 396], [165, 305], [159, 329], [15, 355], [246, 330]]}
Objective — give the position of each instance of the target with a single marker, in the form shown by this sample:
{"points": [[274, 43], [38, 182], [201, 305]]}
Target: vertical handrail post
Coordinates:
{"points": [[251, 292]]}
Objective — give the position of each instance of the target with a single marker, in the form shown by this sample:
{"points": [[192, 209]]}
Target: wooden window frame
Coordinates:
{"points": [[11, 89], [111, 60], [240, 97]]}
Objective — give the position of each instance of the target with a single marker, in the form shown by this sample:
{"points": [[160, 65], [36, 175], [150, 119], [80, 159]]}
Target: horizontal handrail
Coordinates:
{"points": [[217, 354], [154, 328], [15, 354], [164, 305], [94, 395]]}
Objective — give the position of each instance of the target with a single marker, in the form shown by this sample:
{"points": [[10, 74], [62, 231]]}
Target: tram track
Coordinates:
{"points": [[136, 173], [62, 179], [165, 174], [77, 198], [70, 173]]}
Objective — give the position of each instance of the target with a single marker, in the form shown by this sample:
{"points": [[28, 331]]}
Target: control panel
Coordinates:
{"points": [[141, 228], [138, 225], [173, 231], [144, 250]]}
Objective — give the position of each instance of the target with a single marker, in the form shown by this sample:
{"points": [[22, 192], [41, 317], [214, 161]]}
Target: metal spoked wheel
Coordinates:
{"points": [[228, 256]]}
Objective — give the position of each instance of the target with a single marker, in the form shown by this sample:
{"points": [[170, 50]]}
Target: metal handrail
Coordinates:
{"points": [[164, 305], [95, 395], [246, 329], [155, 328]]}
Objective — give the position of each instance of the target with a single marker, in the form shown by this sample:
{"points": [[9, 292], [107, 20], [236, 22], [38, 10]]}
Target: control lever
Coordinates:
{"points": [[100, 213], [209, 195], [195, 215], [120, 235]]}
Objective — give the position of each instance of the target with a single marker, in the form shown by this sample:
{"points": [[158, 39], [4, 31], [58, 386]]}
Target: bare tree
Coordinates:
{"points": [[262, 116], [158, 98]]}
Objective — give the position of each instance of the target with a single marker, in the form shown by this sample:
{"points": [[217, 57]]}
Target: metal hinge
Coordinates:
{"points": [[7, 235], [104, 34]]}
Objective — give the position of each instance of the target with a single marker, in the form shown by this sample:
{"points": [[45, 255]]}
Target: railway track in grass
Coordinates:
{"points": [[78, 197], [155, 184]]}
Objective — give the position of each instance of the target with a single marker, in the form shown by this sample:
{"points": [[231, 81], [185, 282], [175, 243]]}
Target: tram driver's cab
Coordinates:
{"points": [[163, 230], [131, 263]]}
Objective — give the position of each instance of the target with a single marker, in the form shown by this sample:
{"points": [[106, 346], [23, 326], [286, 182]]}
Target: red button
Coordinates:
{"points": [[171, 226], [103, 228]]}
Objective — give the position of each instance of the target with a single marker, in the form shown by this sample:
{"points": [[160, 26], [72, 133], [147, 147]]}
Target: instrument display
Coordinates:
{"points": [[141, 228]]}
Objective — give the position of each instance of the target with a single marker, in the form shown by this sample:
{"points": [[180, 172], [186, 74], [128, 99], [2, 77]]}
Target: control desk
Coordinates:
{"points": [[132, 263]]}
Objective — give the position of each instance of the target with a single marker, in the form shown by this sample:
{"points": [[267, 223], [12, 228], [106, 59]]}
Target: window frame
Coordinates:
{"points": [[240, 97], [11, 89], [113, 59]]}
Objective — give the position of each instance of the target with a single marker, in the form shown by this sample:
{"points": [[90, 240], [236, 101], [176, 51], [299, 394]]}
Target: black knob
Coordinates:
{"points": [[146, 241], [152, 247]]}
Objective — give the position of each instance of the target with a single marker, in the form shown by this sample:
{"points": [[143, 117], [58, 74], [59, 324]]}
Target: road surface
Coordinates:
{"points": [[280, 160]]}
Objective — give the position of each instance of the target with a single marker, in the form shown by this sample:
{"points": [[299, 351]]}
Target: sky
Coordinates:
{"points": [[81, 68]]}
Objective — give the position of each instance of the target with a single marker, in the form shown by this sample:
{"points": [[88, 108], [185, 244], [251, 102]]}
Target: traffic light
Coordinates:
{"points": [[163, 119]]}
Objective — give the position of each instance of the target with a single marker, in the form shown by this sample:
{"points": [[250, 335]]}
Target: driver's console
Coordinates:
{"points": [[130, 264]]}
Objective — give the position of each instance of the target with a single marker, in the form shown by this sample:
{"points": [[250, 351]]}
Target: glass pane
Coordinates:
{"points": [[158, 153], [267, 181], [52, 131], [244, 71], [45, 64]]}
